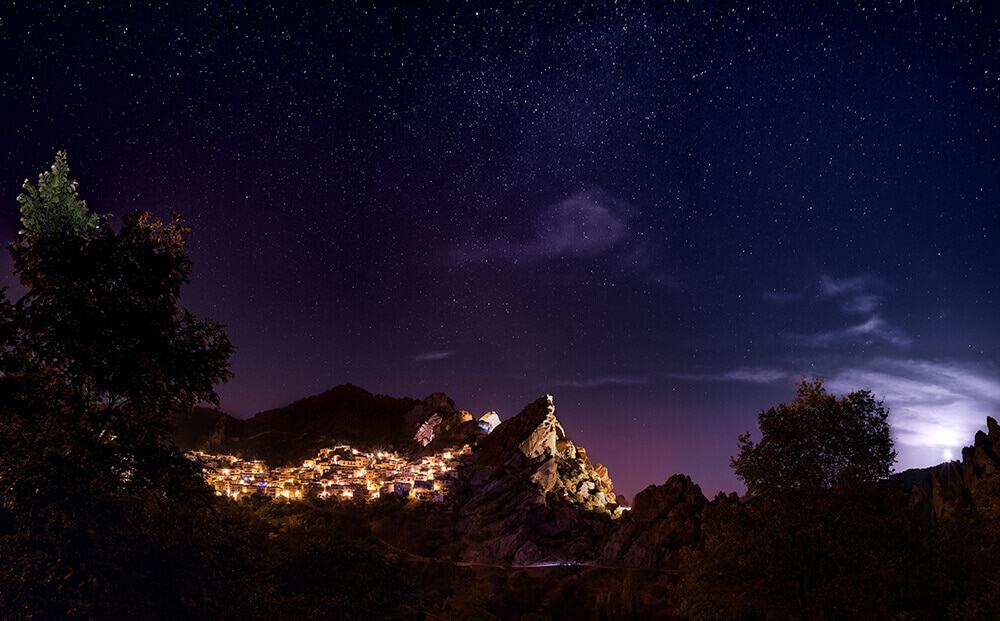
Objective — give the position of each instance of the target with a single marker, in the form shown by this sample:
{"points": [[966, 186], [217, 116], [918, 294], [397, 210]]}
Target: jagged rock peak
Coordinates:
{"points": [[534, 433], [954, 486], [535, 443]]}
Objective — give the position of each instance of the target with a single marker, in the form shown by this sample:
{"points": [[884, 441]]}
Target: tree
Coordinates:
{"points": [[53, 206], [817, 442], [815, 537], [99, 514]]}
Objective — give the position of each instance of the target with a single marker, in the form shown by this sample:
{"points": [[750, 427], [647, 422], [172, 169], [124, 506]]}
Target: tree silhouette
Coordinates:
{"points": [[96, 359], [816, 537], [817, 442]]}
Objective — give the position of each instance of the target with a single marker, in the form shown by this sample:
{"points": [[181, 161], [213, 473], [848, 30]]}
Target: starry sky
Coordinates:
{"points": [[664, 214]]}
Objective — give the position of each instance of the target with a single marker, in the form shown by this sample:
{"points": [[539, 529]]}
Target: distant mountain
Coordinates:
{"points": [[345, 414]]}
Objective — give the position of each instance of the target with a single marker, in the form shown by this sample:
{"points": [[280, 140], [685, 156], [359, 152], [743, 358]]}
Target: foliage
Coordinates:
{"points": [[816, 442], [53, 206], [325, 567], [102, 515], [817, 536]]}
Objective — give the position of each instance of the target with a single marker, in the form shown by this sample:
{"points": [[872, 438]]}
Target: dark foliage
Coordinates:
{"points": [[96, 359], [822, 535], [100, 515], [817, 442]]}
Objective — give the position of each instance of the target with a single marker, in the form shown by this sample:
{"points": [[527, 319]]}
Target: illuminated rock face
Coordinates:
{"points": [[530, 495], [438, 425], [489, 421], [425, 435], [535, 444]]}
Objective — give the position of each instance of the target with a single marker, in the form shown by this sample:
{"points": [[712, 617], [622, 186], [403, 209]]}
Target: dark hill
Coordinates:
{"points": [[295, 432]]}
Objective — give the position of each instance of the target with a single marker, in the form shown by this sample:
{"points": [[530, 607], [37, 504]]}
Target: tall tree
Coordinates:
{"points": [[98, 508]]}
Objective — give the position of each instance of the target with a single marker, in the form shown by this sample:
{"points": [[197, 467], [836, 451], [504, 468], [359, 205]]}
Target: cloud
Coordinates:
{"points": [[856, 294], [832, 287], [860, 294], [933, 404], [596, 382], [429, 356], [872, 330], [586, 224], [862, 304], [750, 375]]}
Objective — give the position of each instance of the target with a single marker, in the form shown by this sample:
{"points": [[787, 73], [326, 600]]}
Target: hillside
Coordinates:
{"points": [[289, 434], [345, 414]]}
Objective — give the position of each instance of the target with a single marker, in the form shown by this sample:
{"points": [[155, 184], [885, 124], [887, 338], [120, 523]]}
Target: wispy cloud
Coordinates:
{"points": [[750, 375], [429, 356], [861, 294], [834, 287], [586, 224], [595, 382], [875, 329], [855, 294], [862, 304], [933, 404]]}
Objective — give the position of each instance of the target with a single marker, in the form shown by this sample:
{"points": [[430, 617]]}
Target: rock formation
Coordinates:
{"points": [[530, 494], [439, 425], [664, 520], [948, 488], [535, 441]]}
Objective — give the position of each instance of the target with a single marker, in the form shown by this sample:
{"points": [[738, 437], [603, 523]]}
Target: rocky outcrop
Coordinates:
{"points": [[949, 488], [535, 444], [664, 520], [529, 494], [438, 425]]}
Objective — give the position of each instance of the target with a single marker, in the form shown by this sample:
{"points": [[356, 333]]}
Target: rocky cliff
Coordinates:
{"points": [[529, 494], [949, 488], [534, 446], [345, 414]]}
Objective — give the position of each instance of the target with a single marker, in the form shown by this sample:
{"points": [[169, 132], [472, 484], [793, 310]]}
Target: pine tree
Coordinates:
{"points": [[54, 207]]}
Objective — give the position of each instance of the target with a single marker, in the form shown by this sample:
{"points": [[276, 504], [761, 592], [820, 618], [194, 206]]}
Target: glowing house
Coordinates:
{"points": [[489, 421]]}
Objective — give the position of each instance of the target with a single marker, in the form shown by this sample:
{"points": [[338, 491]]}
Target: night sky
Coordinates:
{"points": [[662, 215]]}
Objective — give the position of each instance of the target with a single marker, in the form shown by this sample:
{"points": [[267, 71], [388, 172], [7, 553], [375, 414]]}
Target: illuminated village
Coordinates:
{"points": [[341, 472]]}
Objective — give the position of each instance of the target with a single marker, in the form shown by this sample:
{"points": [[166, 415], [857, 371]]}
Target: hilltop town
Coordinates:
{"points": [[340, 472]]}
